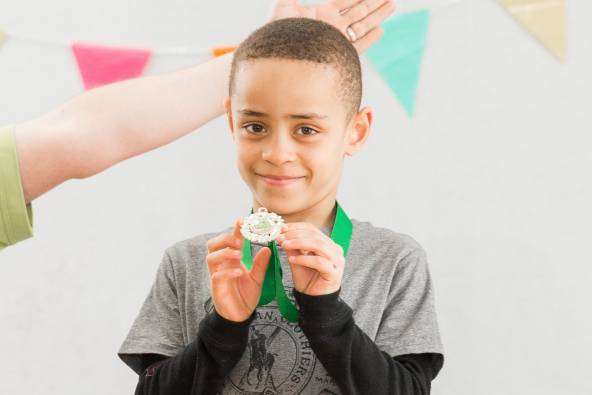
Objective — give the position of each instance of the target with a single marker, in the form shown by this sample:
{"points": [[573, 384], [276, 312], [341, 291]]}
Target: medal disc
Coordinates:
{"points": [[262, 226]]}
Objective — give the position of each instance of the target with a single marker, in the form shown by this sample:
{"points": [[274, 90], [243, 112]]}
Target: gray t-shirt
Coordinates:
{"points": [[386, 282]]}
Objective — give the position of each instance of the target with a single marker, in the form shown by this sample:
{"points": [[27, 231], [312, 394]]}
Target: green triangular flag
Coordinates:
{"points": [[397, 55]]}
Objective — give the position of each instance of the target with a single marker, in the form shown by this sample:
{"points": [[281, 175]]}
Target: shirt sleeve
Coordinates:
{"points": [[200, 368], [16, 217], [409, 321], [157, 328], [354, 361]]}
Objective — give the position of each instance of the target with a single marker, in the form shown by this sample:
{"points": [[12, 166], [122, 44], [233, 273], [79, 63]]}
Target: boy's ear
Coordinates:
{"points": [[358, 131], [228, 110]]}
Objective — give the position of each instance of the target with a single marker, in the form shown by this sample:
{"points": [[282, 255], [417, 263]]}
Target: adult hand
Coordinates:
{"points": [[362, 17], [235, 290], [317, 262]]}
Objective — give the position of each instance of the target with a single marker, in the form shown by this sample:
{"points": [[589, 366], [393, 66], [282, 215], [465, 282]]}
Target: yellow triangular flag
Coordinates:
{"points": [[544, 19]]}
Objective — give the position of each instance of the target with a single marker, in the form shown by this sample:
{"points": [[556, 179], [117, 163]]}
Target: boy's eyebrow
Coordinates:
{"points": [[309, 115], [252, 113]]}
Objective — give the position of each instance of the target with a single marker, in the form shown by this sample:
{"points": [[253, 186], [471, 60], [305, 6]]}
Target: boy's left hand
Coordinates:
{"points": [[317, 262]]}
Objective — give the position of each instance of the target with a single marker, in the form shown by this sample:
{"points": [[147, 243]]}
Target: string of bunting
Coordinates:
{"points": [[100, 64], [397, 57]]}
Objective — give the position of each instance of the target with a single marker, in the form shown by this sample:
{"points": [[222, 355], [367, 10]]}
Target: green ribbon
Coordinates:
{"points": [[273, 286]]}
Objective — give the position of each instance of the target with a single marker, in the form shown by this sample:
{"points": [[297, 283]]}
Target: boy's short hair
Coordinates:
{"points": [[306, 40]]}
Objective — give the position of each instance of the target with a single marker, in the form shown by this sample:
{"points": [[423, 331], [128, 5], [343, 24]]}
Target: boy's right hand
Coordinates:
{"points": [[235, 290]]}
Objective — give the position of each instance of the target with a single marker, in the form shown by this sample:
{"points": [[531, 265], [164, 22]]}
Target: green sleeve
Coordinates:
{"points": [[16, 217]]}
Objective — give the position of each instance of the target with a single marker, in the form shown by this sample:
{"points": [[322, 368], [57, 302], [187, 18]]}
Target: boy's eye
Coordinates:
{"points": [[306, 131], [255, 128]]}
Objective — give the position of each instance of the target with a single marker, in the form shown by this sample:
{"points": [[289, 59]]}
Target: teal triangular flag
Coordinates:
{"points": [[397, 55]]}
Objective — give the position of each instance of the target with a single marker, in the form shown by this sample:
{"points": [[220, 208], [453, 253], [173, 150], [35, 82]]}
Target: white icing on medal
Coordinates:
{"points": [[262, 226]]}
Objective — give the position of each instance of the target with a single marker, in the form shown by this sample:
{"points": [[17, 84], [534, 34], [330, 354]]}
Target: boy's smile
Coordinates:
{"points": [[290, 126], [279, 181]]}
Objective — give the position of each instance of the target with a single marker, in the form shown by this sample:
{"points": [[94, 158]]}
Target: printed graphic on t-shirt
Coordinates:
{"points": [[278, 359]]}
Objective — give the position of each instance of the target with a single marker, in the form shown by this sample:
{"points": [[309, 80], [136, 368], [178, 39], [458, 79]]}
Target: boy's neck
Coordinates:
{"points": [[321, 215]]}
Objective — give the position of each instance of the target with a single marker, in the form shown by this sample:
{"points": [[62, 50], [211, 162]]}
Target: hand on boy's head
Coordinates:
{"points": [[317, 262], [235, 290], [362, 17]]}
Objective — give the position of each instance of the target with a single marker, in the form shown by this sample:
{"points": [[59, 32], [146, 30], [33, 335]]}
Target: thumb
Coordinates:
{"points": [[260, 264]]}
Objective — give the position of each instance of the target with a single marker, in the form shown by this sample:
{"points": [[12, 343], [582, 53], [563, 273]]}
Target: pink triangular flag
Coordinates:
{"points": [[100, 65]]}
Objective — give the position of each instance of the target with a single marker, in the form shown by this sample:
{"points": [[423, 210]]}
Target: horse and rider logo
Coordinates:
{"points": [[278, 358]]}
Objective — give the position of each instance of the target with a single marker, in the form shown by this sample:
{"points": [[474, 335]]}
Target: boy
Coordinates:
{"points": [[366, 321]]}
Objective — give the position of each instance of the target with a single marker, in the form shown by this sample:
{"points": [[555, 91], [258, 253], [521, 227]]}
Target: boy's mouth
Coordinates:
{"points": [[279, 181]]}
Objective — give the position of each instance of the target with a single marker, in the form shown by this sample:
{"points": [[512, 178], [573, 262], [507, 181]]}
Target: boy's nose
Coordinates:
{"points": [[279, 150]]}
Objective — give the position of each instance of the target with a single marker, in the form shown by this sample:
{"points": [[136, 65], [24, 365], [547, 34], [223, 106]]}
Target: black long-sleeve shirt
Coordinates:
{"points": [[354, 361]]}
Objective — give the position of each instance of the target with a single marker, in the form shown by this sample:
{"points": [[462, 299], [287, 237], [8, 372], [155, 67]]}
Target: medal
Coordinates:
{"points": [[262, 228]]}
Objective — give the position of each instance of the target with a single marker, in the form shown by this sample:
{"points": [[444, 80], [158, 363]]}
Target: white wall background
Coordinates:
{"points": [[492, 177]]}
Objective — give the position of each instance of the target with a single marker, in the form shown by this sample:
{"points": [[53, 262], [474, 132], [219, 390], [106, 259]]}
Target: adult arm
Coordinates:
{"points": [[106, 125]]}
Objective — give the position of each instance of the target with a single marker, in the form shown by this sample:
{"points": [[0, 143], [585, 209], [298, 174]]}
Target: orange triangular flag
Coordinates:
{"points": [[544, 19], [219, 51], [100, 65]]}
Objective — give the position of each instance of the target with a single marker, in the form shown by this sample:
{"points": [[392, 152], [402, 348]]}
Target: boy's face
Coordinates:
{"points": [[291, 131]]}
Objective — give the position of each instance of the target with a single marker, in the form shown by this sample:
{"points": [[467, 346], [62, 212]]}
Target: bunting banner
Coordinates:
{"points": [[544, 19], [397, 55], [101, 65]]}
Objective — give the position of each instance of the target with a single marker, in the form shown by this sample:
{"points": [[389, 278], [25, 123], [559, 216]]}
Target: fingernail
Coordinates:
{"points": [[236, 253]]}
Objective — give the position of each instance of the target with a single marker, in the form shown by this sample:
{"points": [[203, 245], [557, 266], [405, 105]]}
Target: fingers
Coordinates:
{"points": [[221, 277], [344, 4], [309, 235], [308, 244], [260, 263], [236, 231], [225, 250], [362, 26], [224, 258], [316, 245], [361, 10], [325, 267], [233, 240], [299, 225], [291, 231], [369, 39]]}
